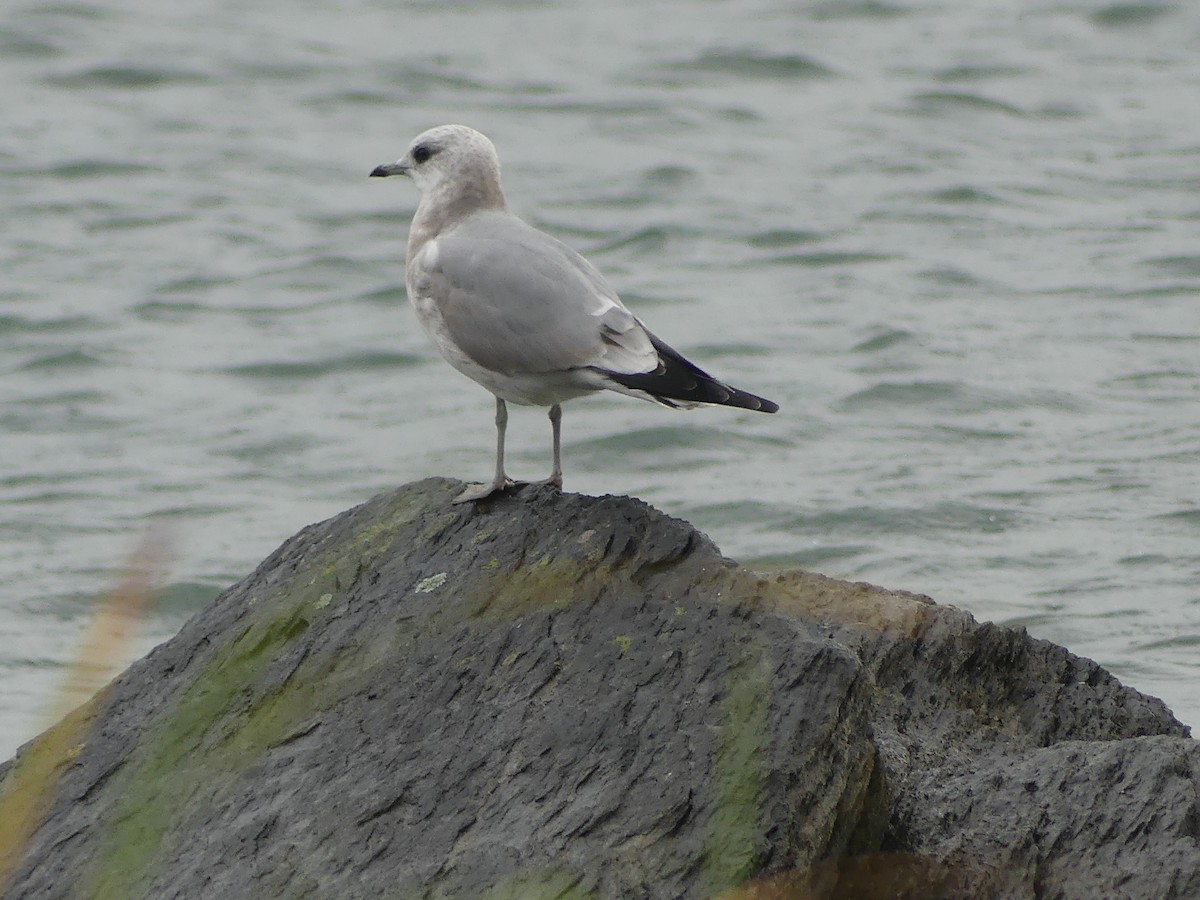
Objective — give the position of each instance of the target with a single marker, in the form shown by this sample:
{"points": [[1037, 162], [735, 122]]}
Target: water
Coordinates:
{"points": [[957, 241]]}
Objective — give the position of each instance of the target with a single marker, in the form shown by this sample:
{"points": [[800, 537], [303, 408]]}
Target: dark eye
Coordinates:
{"points": [[421, 153]]}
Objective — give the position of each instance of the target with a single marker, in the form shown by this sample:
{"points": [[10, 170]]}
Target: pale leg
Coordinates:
{"points": [[556, 475], [500, 481]]}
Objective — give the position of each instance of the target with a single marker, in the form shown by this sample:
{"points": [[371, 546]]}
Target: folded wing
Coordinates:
{"points": [[519, 302]]}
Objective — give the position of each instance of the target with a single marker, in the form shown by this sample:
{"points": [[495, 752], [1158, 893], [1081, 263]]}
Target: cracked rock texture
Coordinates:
{"points": [[550, 695]]}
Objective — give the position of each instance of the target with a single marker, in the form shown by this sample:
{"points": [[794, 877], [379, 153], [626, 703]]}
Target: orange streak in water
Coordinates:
{"points": [[29, 786]]}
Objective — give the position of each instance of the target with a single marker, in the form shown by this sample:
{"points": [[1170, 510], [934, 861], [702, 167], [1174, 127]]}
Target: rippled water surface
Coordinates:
{"points": [[957, 241]]}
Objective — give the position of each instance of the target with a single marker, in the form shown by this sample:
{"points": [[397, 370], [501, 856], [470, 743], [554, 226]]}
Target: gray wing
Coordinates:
{"points": [[516, 301]]}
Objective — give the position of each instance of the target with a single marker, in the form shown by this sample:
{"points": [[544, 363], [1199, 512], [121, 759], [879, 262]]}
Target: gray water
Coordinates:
{"points": [[956, 241]]}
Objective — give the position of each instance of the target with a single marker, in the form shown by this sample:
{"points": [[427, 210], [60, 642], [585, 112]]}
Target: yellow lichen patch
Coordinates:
{"points": [[808, 595], [486, 534], [430, 584], [623, 641], [594, 549]]}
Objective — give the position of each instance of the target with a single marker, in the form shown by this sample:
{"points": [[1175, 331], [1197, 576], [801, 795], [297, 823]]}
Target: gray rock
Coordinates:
{"points": [[552, 695]]}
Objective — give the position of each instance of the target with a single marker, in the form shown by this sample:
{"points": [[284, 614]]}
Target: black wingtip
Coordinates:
{"points": [[679, 379], [746, 400]]}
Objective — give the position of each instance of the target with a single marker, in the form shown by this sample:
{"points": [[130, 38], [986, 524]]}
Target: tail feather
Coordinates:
{"points": [[677, 379]]}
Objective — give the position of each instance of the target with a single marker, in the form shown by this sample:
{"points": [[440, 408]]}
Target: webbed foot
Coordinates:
{"points": [[476, 492]]}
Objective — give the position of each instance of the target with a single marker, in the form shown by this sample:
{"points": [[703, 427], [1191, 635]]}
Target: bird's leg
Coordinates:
{"points": [[556, 476], [500, 481]]}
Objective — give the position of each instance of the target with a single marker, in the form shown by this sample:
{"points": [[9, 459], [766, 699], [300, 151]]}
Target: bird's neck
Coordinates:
{"points": [[445, 203]]}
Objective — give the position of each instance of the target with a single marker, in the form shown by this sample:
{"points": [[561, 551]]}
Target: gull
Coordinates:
{"points": [[520, 312]]}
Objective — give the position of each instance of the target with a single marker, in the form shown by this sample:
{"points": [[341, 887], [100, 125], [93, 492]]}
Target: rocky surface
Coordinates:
{"points": [[552, 695]]}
